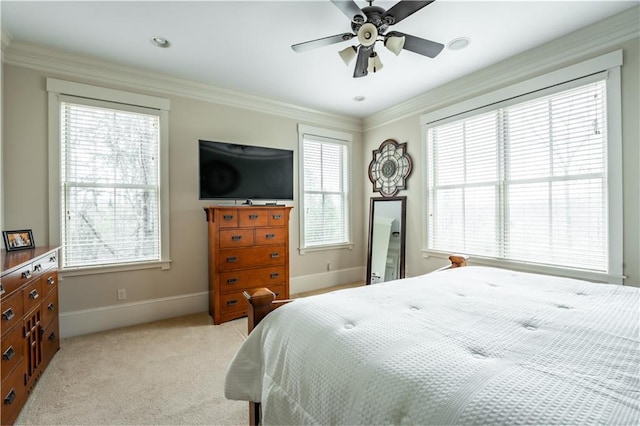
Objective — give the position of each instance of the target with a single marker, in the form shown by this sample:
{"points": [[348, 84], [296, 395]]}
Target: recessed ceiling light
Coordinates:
{"points": [[358, 98], [459, 43], [160, 41]]}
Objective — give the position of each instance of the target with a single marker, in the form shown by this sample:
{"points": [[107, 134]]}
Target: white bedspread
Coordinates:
{"points": [[471, 345]]}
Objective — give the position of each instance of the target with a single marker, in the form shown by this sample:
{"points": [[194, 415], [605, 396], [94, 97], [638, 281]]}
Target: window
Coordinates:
{"points": [[110, 183], [324, 186], [526, 180]]}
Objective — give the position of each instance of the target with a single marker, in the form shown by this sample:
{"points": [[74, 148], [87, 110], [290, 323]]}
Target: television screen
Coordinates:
{"points": [[243, 172]]}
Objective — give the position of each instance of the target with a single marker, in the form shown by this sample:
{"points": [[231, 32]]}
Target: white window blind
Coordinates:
{"points": [[110, 207], [524, 181], [326, 192]]}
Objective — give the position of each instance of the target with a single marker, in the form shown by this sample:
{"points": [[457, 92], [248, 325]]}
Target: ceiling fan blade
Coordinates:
{"points": [[350, 9], [362, 62], [326, 41], [419, 45], [405, 8]]}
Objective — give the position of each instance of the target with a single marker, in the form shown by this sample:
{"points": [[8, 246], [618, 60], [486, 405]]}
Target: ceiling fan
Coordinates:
{"points": [[370, 25]]}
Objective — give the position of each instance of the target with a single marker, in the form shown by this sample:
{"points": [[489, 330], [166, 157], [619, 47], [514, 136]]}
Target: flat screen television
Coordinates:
{"points": [[244, 172]]}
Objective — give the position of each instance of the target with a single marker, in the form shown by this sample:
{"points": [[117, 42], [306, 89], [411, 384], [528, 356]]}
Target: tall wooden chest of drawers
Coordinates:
{"points": [[30, 330], [248, 248]]}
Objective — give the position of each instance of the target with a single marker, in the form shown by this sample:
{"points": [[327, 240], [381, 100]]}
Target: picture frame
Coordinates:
{"points": [[18, 240]]}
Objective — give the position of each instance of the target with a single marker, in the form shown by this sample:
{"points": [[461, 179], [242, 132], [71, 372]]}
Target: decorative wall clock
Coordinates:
{"points": [[390, 168]]}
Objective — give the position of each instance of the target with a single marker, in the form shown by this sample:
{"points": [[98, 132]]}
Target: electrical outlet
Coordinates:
{"points": [[122, 294]]}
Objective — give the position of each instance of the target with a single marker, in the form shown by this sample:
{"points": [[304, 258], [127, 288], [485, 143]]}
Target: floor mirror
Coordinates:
{"points": [[387, 236]]}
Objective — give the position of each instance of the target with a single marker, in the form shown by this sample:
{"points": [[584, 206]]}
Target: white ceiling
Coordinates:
{"points": [[245, 45]]}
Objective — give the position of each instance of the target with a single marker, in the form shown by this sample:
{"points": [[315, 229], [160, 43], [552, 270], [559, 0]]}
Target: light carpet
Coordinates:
{"points": [[168, 372]]}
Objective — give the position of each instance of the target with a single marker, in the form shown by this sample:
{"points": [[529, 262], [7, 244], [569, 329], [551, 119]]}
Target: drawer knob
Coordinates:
{"points": [[51, 281], [270, 236], [277, 216], [8, 354], [227, 217], [253, 216], [37, 267], [275, 255], [277, 293], [232, 281], [236, 237], [232, 259], [11, 396], [274, 275], [2, 289], [52, 336], [53, 259], [51, 307], [232, 302], [34, 294], [26, 275], [8, 314]]}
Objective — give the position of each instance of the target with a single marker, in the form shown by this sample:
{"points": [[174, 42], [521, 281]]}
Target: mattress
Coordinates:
{"points": [[470, 345]]}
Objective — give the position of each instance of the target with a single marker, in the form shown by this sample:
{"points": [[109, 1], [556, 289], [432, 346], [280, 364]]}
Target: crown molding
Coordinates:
{"points": [[565, 50], [98, 71]]}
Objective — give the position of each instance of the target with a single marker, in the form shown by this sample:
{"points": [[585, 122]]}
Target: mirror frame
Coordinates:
{"points": [[403, 233]]}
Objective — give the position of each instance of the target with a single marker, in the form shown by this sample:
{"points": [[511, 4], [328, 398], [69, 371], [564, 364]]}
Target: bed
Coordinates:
{"points": [[472, 345]]}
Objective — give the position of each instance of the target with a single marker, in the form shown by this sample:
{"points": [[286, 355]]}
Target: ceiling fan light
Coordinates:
{"points": [[367, 34], [347, 54], [394, 44], [375, 64]]}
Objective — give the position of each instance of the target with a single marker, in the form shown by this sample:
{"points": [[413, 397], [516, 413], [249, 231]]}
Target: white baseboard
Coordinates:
{"points": [[87, 321], [76, 323], [326, 279]]}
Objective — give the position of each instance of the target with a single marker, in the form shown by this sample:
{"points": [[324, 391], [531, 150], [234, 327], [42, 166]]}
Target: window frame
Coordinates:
{"points": [[536, 87], [332, 136], [59, 91]]}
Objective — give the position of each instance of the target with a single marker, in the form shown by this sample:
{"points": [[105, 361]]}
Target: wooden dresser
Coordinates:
{"points": [[30, 335], [248, 248]]}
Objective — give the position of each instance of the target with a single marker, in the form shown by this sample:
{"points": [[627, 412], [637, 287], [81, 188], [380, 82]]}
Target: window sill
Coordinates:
{"points": [[304, 250], [580, 274], [121, 267]]}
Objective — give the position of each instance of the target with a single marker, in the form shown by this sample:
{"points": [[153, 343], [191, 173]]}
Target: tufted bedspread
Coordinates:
{"points": [[470, 345]]}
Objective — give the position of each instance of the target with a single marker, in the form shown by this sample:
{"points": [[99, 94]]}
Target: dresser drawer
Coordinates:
{"points": [[32, 295], [228, 218], [13, 394], [12, 311], [252, 278], [11, 352], [251, 257], [50, 342], [277, 217], [40, 266], [253, 217], [50, 308], [230, 238], [49, 282], [267, 236], [16, 279], [47, 262]]}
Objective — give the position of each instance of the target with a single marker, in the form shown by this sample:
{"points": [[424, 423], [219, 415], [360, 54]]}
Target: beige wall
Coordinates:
{"points": [[26, 192], [408, 130]]}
